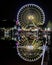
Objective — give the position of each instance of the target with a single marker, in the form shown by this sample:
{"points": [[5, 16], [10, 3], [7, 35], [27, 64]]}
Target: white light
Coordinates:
{"points": [[48, 29], [30, 17], [30, 47], [45, 36]]}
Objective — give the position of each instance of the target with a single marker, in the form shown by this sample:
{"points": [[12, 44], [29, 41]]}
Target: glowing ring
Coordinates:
{"points": [[41, 12], [29, 60]]}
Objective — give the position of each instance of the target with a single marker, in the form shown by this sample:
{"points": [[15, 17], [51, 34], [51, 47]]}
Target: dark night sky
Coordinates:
{"points": [[9, 8]]}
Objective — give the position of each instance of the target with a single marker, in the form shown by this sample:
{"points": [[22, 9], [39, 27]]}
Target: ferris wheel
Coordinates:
{"points": [[30, 47], [30, 14]]}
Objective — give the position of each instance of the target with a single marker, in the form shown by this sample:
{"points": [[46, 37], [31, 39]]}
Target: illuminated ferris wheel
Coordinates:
{"points": [[30, 16]]}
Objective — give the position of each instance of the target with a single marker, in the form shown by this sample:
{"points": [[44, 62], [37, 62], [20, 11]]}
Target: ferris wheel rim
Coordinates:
{"points": [[27, 5]]}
